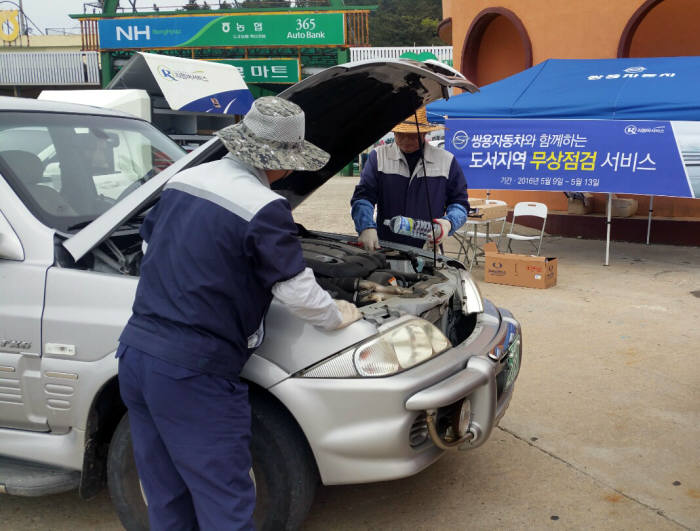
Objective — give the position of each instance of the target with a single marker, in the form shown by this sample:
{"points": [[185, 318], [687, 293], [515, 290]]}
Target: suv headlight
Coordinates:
{"points": [[396, 349]]}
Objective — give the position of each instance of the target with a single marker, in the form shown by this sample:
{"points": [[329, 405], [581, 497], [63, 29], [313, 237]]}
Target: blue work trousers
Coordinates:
{"points": [[191, 436]]}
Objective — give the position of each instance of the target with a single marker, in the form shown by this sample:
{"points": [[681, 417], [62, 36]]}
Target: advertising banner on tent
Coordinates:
{"points": [[199, 86], [625, 156], [256, 29]]}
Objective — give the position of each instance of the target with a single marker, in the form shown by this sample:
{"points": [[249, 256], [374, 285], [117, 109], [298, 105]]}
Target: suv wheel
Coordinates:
{"points": [[123, 480], [284, 472]]}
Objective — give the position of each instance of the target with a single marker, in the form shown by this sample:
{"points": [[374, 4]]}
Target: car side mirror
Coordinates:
{"points": [[10, 246], [113, 139]]}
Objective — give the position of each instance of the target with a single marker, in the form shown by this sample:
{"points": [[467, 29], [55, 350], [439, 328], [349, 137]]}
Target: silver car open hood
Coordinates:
{"points": [[348, 107]]}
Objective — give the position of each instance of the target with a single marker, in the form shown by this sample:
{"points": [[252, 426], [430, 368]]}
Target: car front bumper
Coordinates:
{"points": [[363, 429]]}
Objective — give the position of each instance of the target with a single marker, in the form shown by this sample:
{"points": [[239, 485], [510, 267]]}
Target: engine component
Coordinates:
{"points": [[337, 260], [359, 291], [394, 290], [369, 297], [383, 277]]}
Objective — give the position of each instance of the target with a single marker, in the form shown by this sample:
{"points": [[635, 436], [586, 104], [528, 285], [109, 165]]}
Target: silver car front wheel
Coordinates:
{"points": [[284, 473]]}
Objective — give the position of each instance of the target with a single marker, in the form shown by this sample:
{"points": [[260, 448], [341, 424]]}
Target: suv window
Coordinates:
{"points": [[70, 168]]}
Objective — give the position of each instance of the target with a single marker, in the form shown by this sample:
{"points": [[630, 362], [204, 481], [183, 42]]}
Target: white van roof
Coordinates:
{"points": [[131, 101]]}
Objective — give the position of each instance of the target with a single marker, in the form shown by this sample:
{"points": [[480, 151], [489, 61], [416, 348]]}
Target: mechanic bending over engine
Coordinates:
{"points": [[220, 245], [393, 180]]}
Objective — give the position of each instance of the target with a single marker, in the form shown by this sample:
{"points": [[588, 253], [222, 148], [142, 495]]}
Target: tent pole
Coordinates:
{"points": [[651, 211], [607, 240]]}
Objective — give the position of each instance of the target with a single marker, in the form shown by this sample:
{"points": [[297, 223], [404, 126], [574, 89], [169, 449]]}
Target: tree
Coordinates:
{"points": [[405, 23]]}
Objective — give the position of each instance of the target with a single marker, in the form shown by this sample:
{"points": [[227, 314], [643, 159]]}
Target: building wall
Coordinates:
{"points": [[501, 52], [46, 45], [681, 15], [42, 43], [590, 29]]}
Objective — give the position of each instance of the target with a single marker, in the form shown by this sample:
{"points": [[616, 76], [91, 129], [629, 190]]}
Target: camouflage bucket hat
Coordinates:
{"points": [[271, 137]]}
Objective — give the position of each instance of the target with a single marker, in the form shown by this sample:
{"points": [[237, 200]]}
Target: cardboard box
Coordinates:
{"points": [[581, 206], [484, 211], [624, 207], [518, 269]]}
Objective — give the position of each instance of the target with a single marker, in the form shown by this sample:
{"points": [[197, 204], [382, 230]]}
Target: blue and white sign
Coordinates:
{"points": [[245, 29], [156, 32], [198, 86], [635, 157]]}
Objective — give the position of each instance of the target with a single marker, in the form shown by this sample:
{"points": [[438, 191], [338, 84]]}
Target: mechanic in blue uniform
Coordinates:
{"points": [[219, 245], [393, 179]]}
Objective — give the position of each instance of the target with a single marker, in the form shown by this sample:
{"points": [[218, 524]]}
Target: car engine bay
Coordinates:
{"points": [[384, 285]]}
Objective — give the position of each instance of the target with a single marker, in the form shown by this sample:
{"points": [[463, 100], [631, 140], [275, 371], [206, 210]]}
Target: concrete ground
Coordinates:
{"points": [[603, 431]]}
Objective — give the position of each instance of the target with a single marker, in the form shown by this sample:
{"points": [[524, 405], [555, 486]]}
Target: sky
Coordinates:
{"points": [[54, 13]]}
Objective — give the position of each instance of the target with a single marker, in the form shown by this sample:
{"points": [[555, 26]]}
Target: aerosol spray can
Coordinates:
{"points": [[415, 228]]}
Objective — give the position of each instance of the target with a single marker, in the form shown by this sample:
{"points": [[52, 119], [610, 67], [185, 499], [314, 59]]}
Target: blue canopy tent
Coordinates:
{"points": [[663, 89], [657, 88]]}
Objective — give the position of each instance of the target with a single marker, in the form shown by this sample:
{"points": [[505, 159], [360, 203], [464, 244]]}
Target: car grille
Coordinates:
{"points": [[419, 431]]}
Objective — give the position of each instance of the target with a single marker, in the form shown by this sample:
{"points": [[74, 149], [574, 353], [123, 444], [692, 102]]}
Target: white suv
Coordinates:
{"points": [[431, 367]]}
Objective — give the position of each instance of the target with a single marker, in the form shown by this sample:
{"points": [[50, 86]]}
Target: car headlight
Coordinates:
{"points": [[396, 349], [514, 359]]}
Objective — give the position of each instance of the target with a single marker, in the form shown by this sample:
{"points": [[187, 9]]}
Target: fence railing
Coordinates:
{"points": [[89, 34], [443, 53], [49, 68], [357, 28], [75, 30]]}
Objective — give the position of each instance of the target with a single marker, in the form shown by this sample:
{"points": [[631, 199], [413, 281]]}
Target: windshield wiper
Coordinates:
{"points": [[80, 225]]}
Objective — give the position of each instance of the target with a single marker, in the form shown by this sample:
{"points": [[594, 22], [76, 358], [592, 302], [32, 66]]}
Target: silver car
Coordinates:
{"points": [[430, 368]]}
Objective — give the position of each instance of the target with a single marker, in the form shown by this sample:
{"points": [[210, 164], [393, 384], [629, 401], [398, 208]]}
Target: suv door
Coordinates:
{"points": [[22, 277]]}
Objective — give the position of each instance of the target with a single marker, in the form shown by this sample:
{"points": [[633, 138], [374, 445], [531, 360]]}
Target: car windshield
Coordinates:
{"points": [[70, 168]]}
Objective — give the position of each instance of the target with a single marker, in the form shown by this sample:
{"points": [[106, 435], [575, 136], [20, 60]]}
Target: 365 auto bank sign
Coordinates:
{"points": [[228, 30]]}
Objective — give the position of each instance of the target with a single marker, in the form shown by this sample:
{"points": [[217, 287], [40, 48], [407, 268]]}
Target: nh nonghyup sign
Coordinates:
{"points": [[255, 29], [637, 157]]}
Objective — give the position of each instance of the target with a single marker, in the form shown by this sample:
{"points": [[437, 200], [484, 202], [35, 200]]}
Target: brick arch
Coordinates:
{"points": [[483, 63], [647, 31], [444, 31]]}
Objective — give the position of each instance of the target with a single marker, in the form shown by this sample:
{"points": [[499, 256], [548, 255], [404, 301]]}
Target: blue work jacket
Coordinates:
{"points": [[386, 183], [218, 240]]}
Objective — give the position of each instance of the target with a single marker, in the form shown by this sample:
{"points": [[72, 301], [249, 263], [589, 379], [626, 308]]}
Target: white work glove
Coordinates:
{"points": [[445, 227], [369, 240], [348, 313], [306, 299]]}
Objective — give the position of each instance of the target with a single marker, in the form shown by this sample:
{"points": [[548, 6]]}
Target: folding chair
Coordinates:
{"points": [[538, 210]]}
